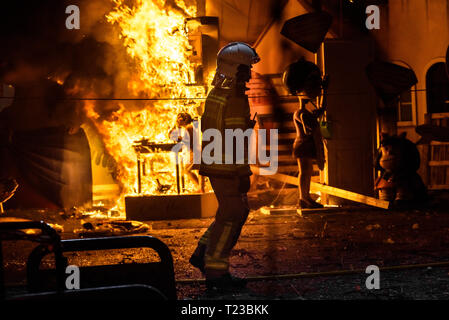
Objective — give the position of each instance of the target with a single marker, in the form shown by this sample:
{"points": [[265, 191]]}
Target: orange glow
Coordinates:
{"points": [[157, 46]]}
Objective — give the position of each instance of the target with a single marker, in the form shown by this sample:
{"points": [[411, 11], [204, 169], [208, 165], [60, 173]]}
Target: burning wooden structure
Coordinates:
{"points": [[182, 204]]}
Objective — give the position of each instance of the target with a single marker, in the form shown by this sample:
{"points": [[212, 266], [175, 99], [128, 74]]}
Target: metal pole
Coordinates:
{"points": [[183, 182], [177, 173], [139, 178]]}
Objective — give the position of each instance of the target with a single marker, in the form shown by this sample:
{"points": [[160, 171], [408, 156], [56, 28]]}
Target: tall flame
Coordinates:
{"points": [[154, 35]]}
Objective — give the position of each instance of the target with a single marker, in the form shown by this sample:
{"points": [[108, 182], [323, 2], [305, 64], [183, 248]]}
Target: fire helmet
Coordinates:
{"points": [[232, 55], [296, 74]]}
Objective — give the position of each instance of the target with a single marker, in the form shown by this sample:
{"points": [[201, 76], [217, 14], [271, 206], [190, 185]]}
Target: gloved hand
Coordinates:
{"points": [[252, 123]]}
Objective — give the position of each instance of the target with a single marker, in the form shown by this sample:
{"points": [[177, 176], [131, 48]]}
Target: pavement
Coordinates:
{"points": [[301, 247]]}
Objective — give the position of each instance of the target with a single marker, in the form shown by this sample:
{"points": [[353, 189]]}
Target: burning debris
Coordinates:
{"points": [[158, 50], [7, 189], [110, 228]]}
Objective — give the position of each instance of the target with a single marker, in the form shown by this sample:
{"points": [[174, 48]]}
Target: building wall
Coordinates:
{"points": [[415, 33], [351, 112], [350, 149], [240, 20]]}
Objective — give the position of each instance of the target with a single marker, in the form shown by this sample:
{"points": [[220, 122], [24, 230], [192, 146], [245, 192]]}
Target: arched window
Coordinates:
{"points": [[437, 88], [407, 104]]}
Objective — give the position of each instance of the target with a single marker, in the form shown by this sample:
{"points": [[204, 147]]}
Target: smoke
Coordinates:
{"points": [[91, 62], [88, 63]]}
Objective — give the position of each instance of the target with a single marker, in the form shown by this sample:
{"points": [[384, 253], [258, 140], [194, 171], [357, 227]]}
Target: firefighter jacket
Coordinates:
{"points": [[226, 109]]}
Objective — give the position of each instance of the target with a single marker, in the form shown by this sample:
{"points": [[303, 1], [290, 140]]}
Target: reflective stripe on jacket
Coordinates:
{"points": [[225, 109]]}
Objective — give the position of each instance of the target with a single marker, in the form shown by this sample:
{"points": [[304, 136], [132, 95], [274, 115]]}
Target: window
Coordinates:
{"points": [[405, 107], [406, 103], [437, 89]]}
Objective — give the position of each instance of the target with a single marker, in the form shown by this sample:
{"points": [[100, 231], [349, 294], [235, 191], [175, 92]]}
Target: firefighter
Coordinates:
{"points": [[226, 107], [304, 77]]}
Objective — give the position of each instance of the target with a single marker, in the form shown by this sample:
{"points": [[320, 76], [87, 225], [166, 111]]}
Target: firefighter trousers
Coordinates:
{"points": [[223, 233]]}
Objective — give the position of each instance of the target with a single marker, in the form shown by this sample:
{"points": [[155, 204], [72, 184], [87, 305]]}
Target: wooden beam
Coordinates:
{"points": [[350, 195], [439, 163], [438, 187], [345, 194]]}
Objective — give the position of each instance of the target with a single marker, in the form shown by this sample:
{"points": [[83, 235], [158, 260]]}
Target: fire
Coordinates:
{"points": [[155, 37]]}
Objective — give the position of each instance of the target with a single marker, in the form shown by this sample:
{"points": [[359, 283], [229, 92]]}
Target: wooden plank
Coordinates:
{"points": [[438, 143], [287, 135], [439, 163], [440, 115], [295, 210], [286, 158], [439, 187], [319, 210], [335, 191], [277, 211], [280, 147], [288, 168], [332, 209], [350, 195]]}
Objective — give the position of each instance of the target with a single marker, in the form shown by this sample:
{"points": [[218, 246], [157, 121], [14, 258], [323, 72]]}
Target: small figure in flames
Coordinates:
{"points": [[184, 127]]}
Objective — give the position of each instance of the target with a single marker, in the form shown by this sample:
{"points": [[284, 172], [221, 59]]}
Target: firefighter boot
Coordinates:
{"points": [[197, 258], [225, 282]]}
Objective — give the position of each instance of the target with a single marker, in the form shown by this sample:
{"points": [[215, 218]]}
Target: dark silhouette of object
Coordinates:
{"points": [[304, 77], [437, 88], [146, 281], [430, 132], [398, 160], [158, 274], [7, 189], [308, 30], [43, 147], [162, 188], [390, 80]]}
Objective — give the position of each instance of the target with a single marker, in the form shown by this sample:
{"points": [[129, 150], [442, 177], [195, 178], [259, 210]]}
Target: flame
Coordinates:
{"points": [[154, 35]]}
